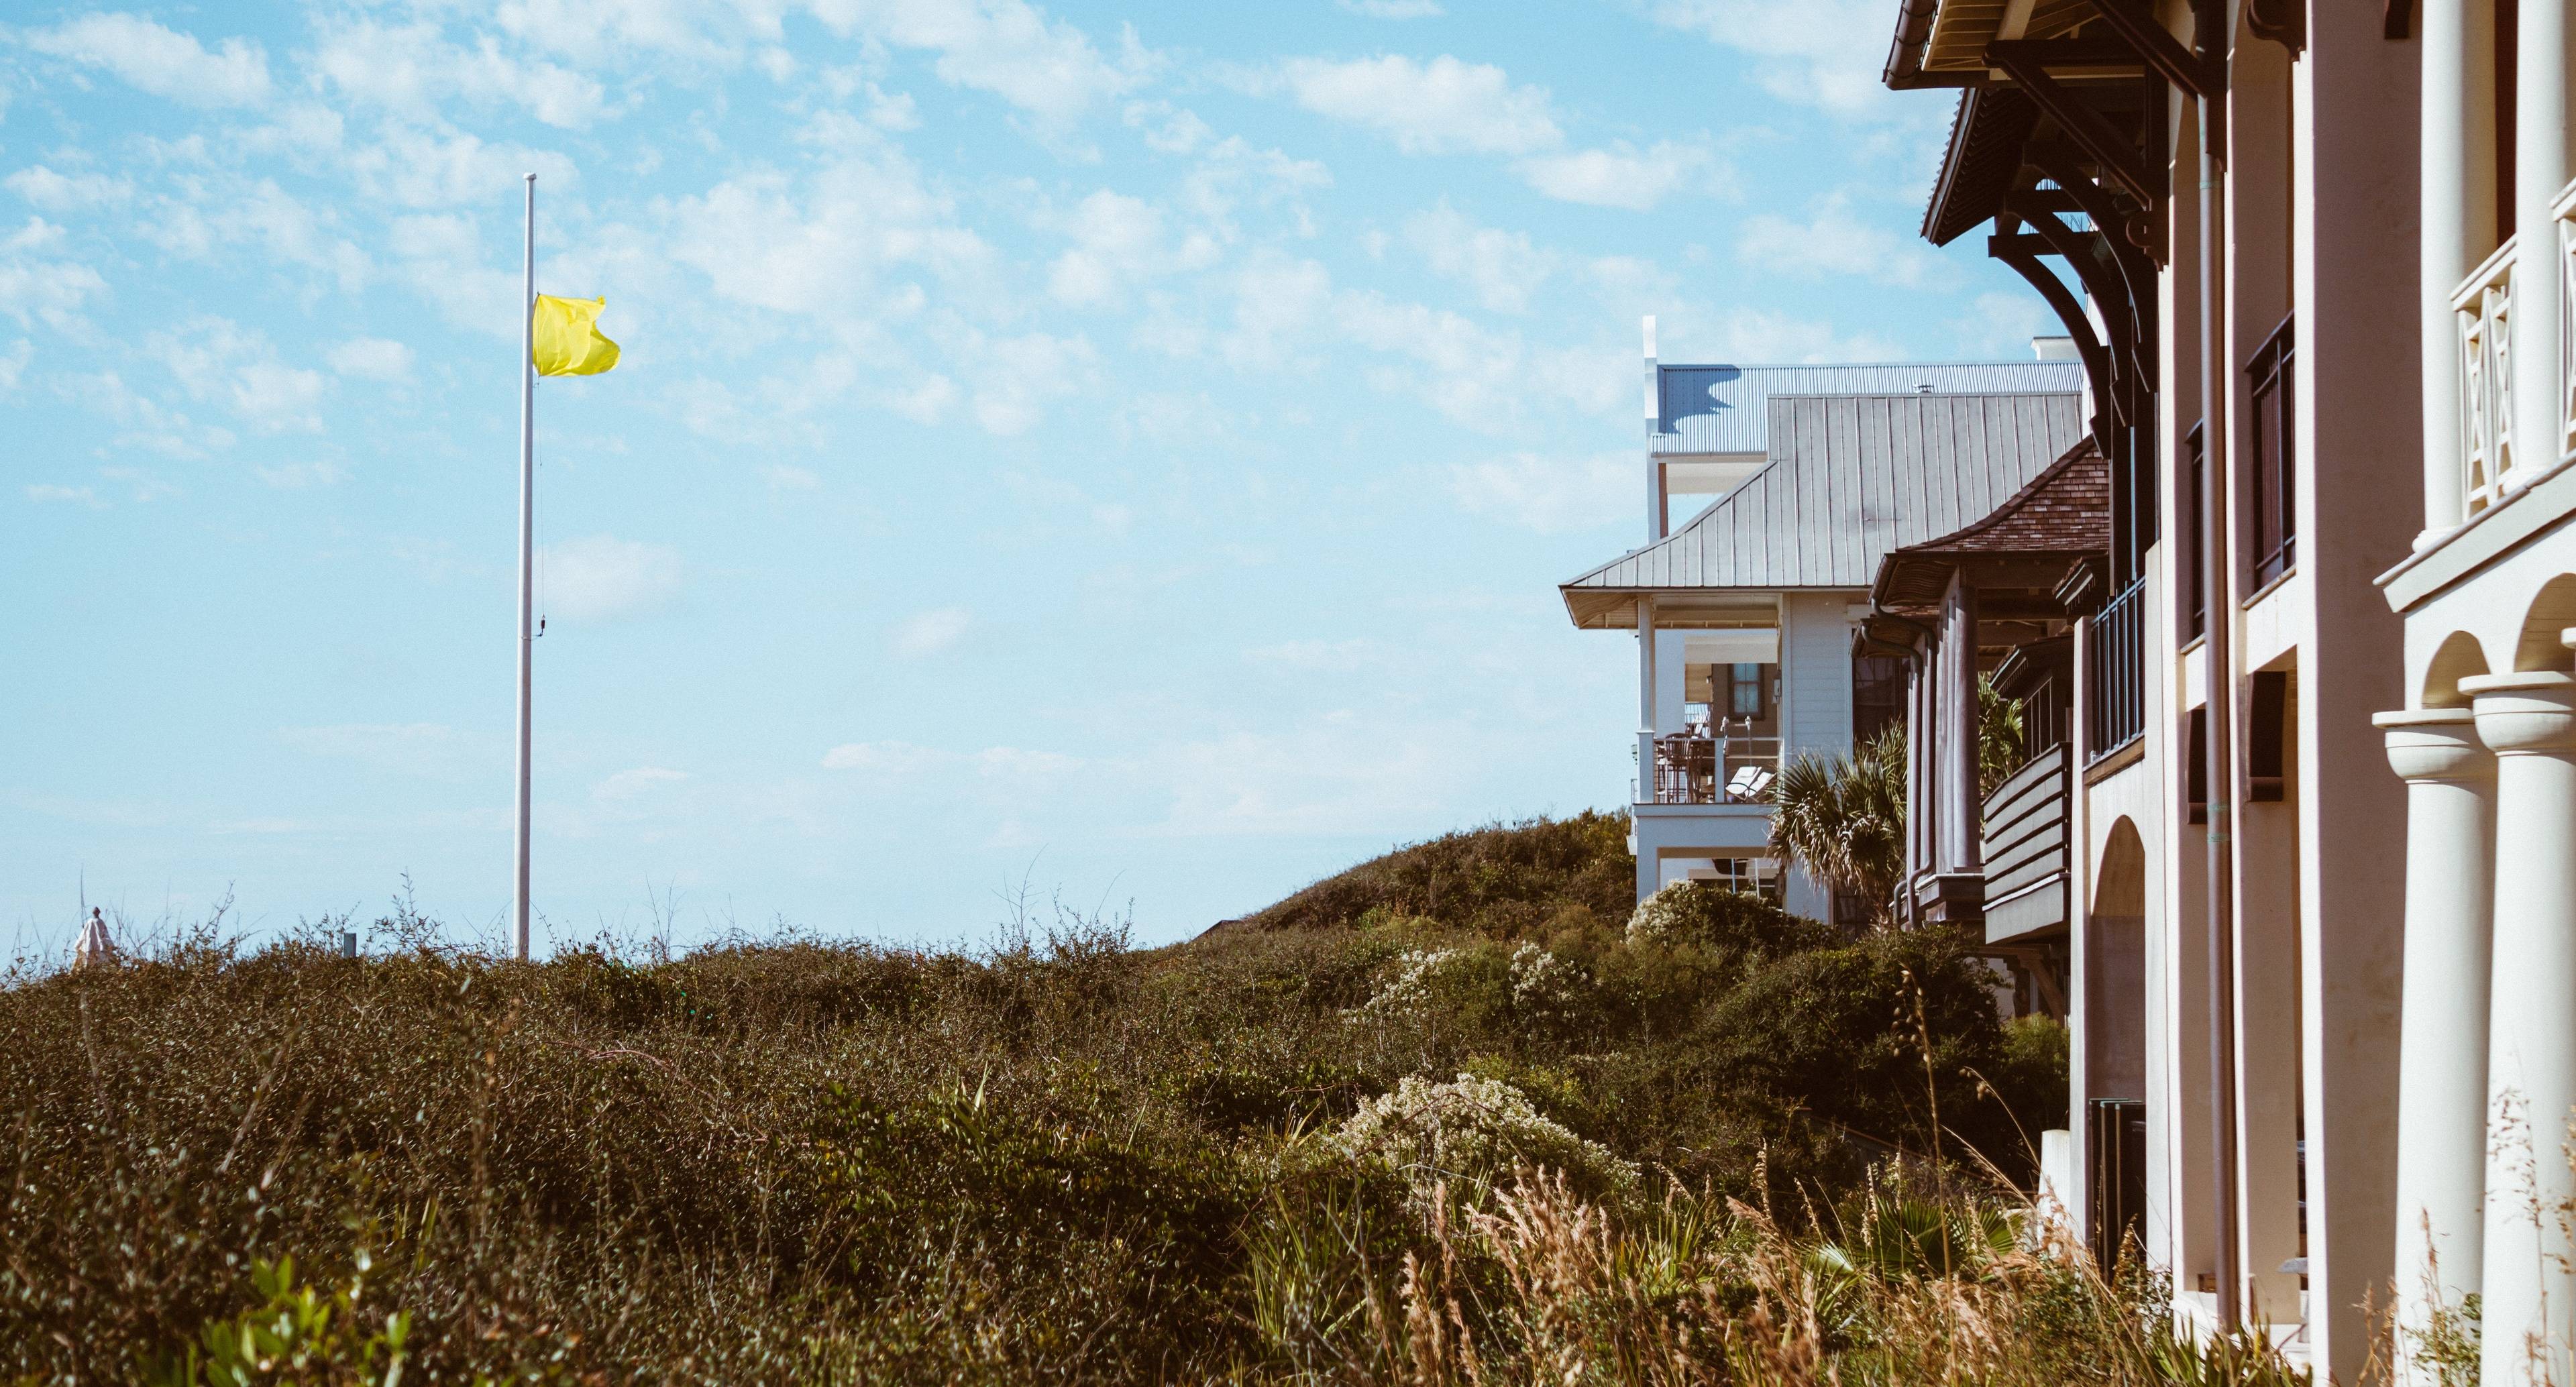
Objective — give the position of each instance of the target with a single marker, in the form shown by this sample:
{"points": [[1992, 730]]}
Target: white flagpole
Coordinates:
{"points": [[527, 539]]}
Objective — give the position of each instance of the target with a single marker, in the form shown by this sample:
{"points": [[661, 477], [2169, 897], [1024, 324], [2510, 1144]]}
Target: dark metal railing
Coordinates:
{"points": [[2115, 673], [2274, 434], [1692, 769]]}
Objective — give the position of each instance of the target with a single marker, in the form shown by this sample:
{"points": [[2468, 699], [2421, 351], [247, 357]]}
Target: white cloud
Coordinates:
{"points": [[68, 192], [36, 286], [1118, 241], [80, 495], [1501, 266], [1441, 107], [219, 361], [372, 358], [1552, 495], [417, 168], [1024, 373], [1837, 244], [927, 633], [1828, 53], [782, 477], [1619, 176], [206, 214], [161, 61], [412, 69], [1394, 9], [602, 579], [1046, 68], [13, 364], [827, 245]]}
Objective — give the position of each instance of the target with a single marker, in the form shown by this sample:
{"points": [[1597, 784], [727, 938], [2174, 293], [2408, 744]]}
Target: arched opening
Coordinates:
{"points": [[2552, 612], [2458, 658], [2115, 1046]]}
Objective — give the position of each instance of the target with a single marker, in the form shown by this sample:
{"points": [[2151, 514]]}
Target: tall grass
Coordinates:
{"points": [[1298, 1154]]}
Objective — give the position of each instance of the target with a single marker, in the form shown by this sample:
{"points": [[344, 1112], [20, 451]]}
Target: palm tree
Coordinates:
{"points": [[1842, 818]]}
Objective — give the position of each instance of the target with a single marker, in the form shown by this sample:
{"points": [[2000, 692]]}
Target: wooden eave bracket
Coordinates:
{"points": [[2082, 124], [2163, 52]]}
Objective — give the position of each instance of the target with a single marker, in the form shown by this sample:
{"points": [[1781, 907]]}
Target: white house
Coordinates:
{"points": [[1746, 612]]}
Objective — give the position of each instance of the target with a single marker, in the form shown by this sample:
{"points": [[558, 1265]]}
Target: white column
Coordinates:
{"points": [[2458, 210], [2442, 1066], [1647, 679], [2539, 171], [2529, 1282]]}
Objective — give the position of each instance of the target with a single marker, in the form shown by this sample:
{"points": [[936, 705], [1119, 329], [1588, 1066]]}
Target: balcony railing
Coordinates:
{"points": [[2483, 307], [2115, 674], [1695, 769], [2275, 530]]}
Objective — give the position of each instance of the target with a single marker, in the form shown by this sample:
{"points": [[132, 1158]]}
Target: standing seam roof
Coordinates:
{"points": [[1725, 409], [1851, 478]]}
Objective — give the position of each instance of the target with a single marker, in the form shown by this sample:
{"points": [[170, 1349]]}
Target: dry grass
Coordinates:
{"points": [[1055, 1160]]}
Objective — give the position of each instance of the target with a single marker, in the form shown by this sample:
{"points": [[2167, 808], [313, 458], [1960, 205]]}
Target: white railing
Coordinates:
{"points": [[2493, 462], [2483, 307]]}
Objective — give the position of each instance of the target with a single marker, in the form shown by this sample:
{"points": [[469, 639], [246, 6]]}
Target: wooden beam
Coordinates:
{"points": [[2024, 259], [2163, 52], [2082, 124]]}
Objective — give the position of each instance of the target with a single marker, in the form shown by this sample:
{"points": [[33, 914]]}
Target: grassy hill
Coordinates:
{"points": [[1307, 1148]]}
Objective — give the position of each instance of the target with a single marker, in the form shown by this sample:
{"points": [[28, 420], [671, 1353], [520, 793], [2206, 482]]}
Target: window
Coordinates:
{"points": [[2275, 483], [1878, 694], [1747, 692]]}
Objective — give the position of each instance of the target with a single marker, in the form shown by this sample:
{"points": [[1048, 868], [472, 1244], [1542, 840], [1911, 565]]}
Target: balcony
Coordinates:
{"points": [[2115, 673], [2493, 462], [2483, 307], [1699, 768]]}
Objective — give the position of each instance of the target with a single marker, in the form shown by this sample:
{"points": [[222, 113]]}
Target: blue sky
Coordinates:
{"points": [[1126, 450]]}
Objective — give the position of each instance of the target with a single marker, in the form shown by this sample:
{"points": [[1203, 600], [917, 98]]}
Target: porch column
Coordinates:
{"points": [[1960, 850], [2541, 59], [2442, 1066], [2529, 1282], [2458, 202], [1648, 678]]}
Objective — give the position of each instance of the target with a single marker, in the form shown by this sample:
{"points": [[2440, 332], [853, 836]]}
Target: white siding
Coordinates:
{"points": [[1815, 670]]}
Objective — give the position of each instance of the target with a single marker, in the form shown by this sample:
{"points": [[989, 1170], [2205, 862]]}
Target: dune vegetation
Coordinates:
{"points": [[1451, 1117]]}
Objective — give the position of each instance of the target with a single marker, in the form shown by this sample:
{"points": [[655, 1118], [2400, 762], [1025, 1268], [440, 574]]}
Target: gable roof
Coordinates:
{"points": [[2063, 515], [1850, 478], [1726, 409]]}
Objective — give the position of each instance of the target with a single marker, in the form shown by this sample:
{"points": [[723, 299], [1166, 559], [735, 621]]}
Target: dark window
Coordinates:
{"points": [[2274, 528], [1745, 692], [1878, 694]]}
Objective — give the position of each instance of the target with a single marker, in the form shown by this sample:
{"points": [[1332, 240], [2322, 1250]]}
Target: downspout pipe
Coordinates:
{"points": [[2210, 35]]}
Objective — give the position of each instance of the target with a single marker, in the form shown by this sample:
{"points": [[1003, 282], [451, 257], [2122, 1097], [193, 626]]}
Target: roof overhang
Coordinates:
{"points": [[1676, 609]]}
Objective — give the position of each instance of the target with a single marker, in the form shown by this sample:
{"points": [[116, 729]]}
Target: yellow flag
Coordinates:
{"points": [[568, 339]]}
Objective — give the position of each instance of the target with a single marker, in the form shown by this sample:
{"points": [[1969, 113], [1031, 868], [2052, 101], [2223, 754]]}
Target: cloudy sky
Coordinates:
{"points": [[1123, 450]]}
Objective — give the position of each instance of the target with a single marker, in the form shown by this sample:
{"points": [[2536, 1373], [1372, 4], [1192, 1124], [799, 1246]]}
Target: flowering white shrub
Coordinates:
{"points": [[1467, 1133], [1408, 992], [1545, 988], [1665, 917]]}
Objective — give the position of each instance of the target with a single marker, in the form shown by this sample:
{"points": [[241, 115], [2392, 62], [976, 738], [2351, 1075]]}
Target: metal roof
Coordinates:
{"points": [[1723, 409], [1851, 477]]}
